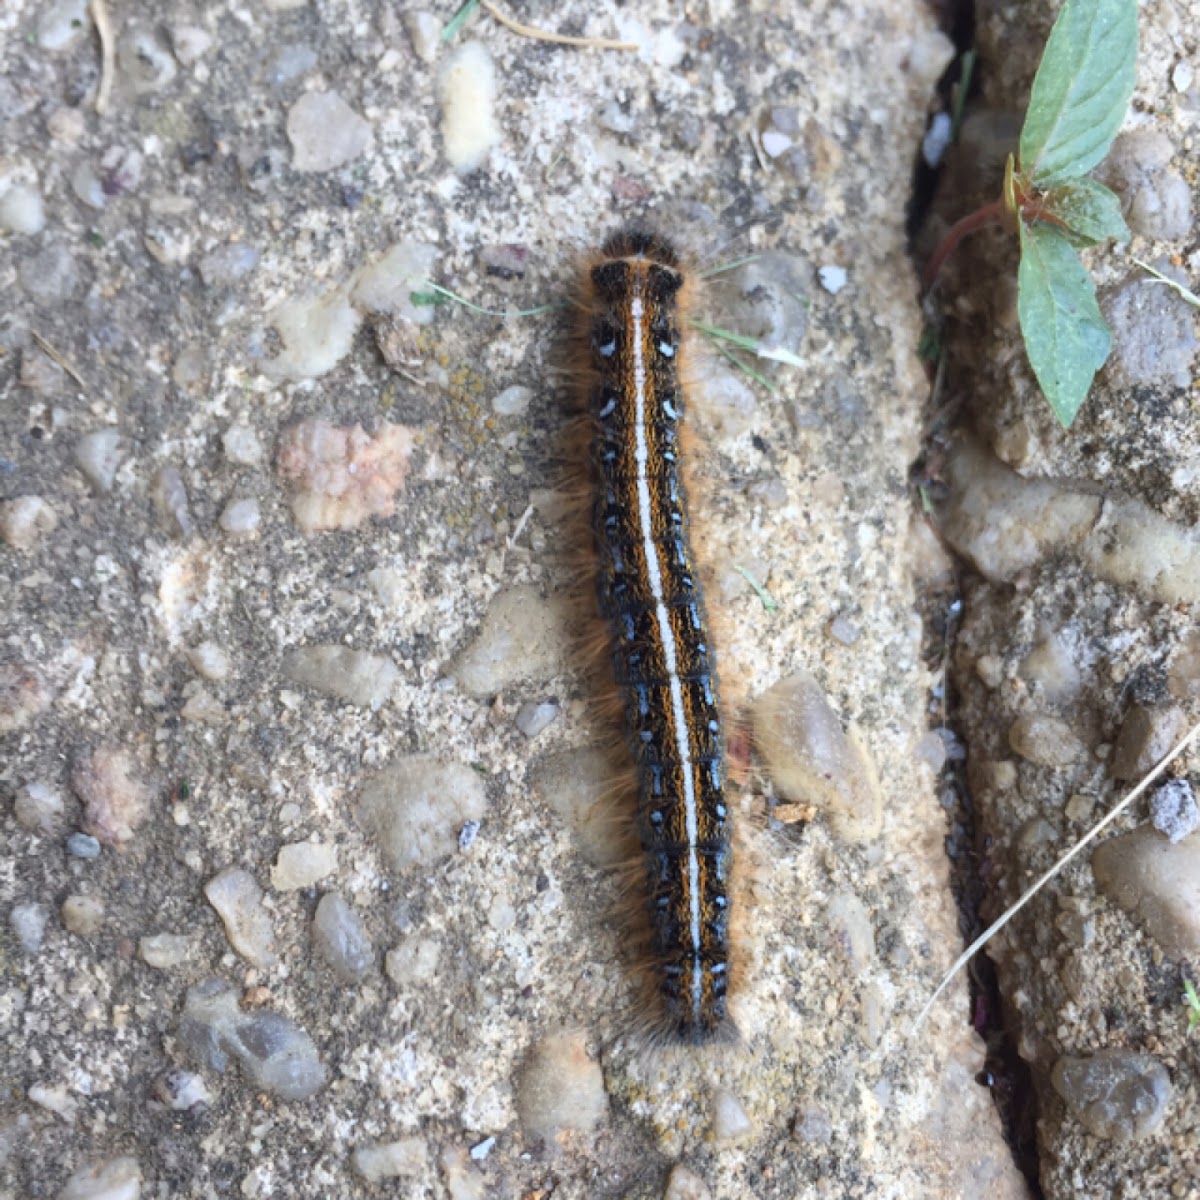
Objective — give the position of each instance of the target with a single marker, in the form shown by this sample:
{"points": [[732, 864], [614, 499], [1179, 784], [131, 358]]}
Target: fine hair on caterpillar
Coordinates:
{"points": [[631, 344]]}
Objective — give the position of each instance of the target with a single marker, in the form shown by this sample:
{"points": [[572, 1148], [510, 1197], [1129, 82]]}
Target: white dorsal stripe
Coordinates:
{"points": [[670, 656]]}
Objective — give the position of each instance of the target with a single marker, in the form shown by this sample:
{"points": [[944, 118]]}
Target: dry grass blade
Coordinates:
{"points": [[542, 35], [59, 358], [991, 931]]}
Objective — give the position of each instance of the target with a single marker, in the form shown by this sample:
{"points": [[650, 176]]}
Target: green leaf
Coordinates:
{"points": [[1065, 335], [1089, 210], [459, 19], [1081, 90]]}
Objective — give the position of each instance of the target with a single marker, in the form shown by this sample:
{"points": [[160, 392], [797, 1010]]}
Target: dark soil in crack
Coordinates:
{"points": [[1004, 1072]]}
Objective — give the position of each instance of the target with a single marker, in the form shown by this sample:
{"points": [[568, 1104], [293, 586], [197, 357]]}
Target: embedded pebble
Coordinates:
{"points": [[22, 210], [424, 31], [467, 92], [1157, 882], [843, 630], [82, 914], [28, 922], [385, 287], [241, 446], [849, 924], [170, 498], [114, 1179], [190, 43], [412, 960], [1157, 202], [61, 23], [41, 374], [521, 638], [727, 401], [505, 260], [685, 1184], [1050, 666], [462, 1179], [1045, 740], [769, 303], [302, 864], [115, 799], [341, 938], [415, 808], [561, 1088], [292, 61], [227, 264], [66, 125], [832, 278], [1005, 524], [122, 168], [325, 132], [1079, 807], [931, 750], [98, 455], [533, 718], [83, 845], [1147, 735], [145, 60], [937, 139], [1037, 831], [210, 661], [25, 521], [85, 183], [182, 1090], [56, 1100], [275, 1053], [340, 476], [350, 675], [775, 143], [811, 759], [1153, 335], [317, 332], [403, 1159], [1115, 1093], [23, 696], [1173, 809], [771, 493], [201, 706], [50, 276], [731, 1122], [238, 899], [190, 369], [513, 401], [241, 517], [1183, 676], [165, 950], [39, 808], [1182, 75]]}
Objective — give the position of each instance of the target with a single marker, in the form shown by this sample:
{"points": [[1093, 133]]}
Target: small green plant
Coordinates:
{"points": [[1192, 1000], [1077, 103]]}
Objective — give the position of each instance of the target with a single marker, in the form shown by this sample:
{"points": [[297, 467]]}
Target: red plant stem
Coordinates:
{"points": [[989, 214]]}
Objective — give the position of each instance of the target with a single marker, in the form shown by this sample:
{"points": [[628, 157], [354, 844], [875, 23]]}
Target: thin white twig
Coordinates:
{"points": [[1173, 284], [520, 529], [1009, 913], [108, 53]]}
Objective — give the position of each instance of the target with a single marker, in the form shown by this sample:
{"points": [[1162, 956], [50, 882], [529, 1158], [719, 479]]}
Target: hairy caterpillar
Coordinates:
{"points": [[663, 661]]}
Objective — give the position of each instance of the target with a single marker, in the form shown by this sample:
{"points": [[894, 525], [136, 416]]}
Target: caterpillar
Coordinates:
{"points": [[649, 596]]}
